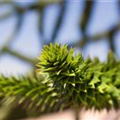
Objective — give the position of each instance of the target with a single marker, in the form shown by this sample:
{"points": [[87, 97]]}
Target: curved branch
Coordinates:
{"points": [[18, 55], [97, 37]]}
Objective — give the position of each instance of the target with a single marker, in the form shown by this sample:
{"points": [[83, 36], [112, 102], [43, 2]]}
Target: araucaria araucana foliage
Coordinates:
{"points": [[84, 83], [66, 80]]}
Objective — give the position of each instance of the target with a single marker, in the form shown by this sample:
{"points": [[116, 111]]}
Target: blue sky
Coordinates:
{"points": [[105, 15]]}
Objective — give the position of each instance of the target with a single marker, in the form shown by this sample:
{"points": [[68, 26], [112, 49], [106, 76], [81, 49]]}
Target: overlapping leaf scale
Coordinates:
{"points": [[29, 91], [87, 83]]}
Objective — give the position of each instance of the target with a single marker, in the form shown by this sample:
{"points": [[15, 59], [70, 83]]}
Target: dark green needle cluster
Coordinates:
{"points": [[29, 91], [85, 83], [66, 80]]}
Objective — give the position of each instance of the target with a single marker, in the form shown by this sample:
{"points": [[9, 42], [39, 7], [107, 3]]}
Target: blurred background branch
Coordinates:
{"points": [[100, 36], [38, 6]]}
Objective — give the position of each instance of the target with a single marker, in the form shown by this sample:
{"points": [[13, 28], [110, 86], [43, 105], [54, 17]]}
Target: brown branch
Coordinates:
{"points": [[77, 113]]}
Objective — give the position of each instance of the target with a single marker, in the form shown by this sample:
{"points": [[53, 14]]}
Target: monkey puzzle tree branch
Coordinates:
{"points": [[65, 80], [84, 82], [31, 93]]}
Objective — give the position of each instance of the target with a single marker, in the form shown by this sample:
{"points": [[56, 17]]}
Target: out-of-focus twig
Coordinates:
{"points": [[18, 55], [5, 2], [41, 24], [59, 21], [111, 39], [119, 6], [6, 15], [86, 15], [19, 14], [85, 20], [95, 37]]}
